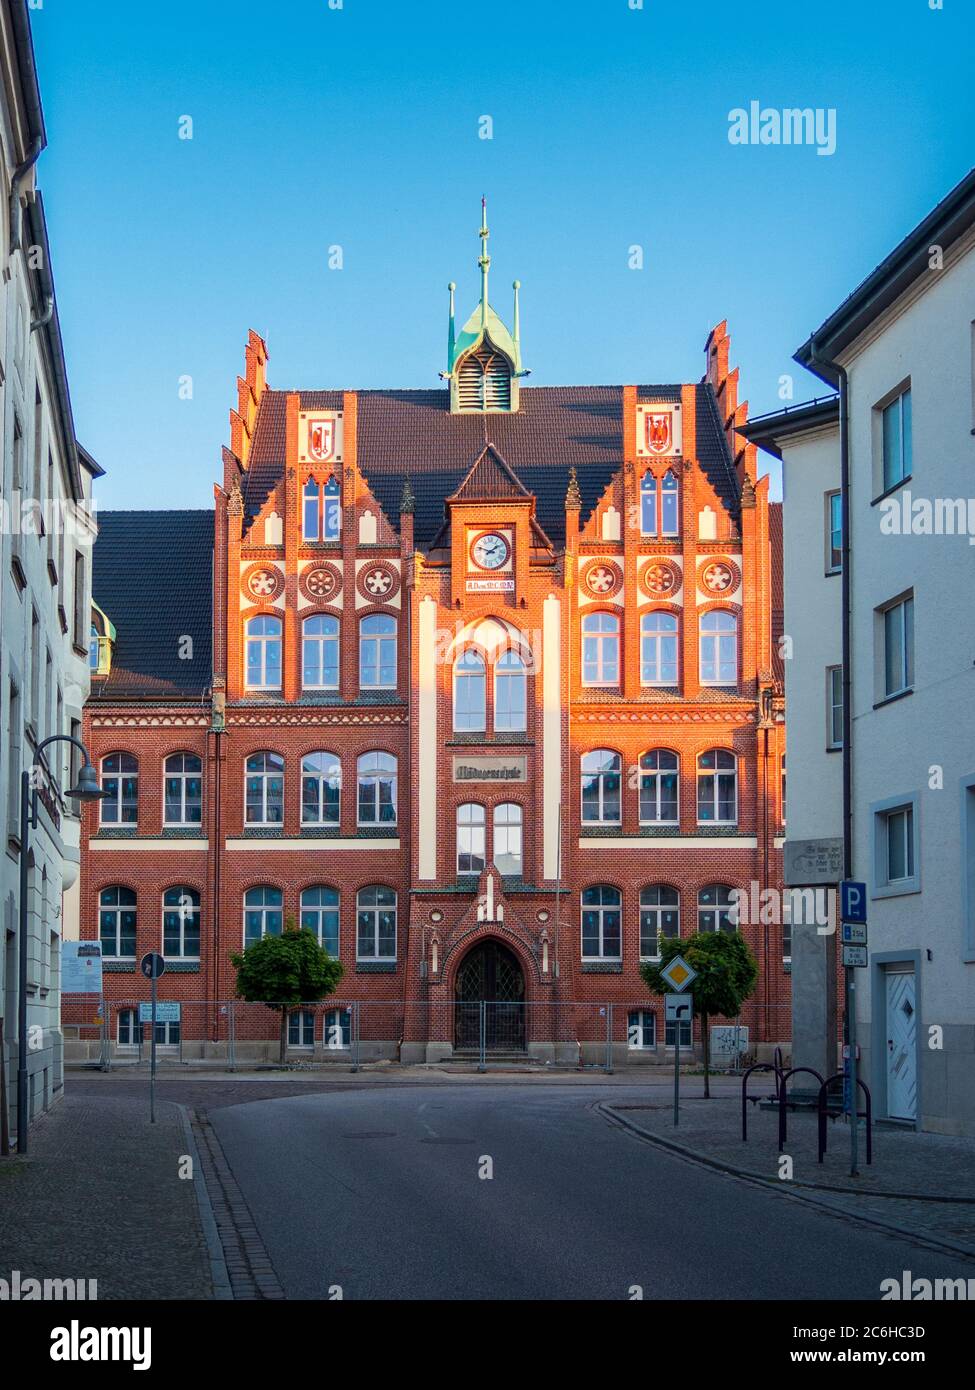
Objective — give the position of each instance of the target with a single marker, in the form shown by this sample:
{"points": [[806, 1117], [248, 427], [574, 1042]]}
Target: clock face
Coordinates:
{"points": [[490, 551]]}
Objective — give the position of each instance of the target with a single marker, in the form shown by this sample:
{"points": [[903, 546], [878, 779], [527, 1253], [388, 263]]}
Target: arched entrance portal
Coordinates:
{"points": [[490, 975]]}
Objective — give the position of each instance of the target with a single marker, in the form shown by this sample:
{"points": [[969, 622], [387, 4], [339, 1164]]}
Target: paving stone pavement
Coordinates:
{"points": [[99, 1197]]}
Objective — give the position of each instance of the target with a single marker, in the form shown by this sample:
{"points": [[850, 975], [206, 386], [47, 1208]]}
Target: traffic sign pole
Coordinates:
{"points": [[853, 909], [677, 1074], [152, 1058]]}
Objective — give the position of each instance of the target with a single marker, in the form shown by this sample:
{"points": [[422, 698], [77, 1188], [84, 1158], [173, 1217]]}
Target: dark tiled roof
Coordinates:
{"points": [[153, 578]]}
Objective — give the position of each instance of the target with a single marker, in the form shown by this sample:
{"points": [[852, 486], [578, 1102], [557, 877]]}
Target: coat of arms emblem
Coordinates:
{"points": [[658, 433], [321, 440]]}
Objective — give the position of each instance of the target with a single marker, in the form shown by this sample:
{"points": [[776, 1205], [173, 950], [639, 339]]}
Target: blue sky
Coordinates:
{"points": [[358, 127]]}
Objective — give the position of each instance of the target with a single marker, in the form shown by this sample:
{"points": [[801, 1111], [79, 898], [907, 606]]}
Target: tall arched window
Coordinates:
{"points": [[376, 923], [310, 511], [263, 914], [508, 853], [332, 510], [320, 652], [377, 652], [601, 781], [120, 784], [264, 789], [600, 649], [719, 648], [117, 922], [669, 509], [510, 693], [660, 505], [659, 918], [716, 909], [658, 649], [181, 923], [602, 918], [717, 787], [321, 789], [263, 648], [320, 914], [470, 691], [471, 838], [659, 782], [377, 789], [183, 789], [321, 511]]}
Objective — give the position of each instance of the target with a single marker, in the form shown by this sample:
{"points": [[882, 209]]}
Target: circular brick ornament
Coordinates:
{"points": [[660, 579], [320, 583], [602, 578], [720, 576], [262, 583], [378, 582]]}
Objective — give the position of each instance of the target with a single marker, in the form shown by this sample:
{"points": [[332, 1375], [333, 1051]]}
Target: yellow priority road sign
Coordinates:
{"points": [[678, 973]]}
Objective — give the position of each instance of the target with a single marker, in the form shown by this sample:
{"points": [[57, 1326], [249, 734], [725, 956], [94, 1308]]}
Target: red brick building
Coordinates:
{"points": [[477, 682]]}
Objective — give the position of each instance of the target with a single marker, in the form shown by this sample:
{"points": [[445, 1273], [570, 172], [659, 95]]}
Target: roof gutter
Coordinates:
{"points": [[47, 323]]}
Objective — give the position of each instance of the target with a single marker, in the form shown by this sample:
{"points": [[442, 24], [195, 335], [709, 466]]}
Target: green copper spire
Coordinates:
{"points": [[484, 351]]}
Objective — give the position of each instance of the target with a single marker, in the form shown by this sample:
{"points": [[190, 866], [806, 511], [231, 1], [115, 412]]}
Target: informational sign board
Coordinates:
{"points": [[855, 956], [81, 967], [728, 1040], [853, 901], [165, 1012], [853, 933]]}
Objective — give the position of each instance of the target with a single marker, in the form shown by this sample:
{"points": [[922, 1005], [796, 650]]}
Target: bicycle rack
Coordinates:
{"points": [[783, 1098], [758, 1066], [866, 1113]]}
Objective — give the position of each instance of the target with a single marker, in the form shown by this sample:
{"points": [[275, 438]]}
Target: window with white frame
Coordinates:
{"points": [[181, 923], [658, 649], [897, 443], [377, 652], [716, 909], [659, 918], [321, 511], [471, 838], [660, 505], [897, 619], [834, 532], [717, 787], [784, 788], [183, 789], [602, 921], [602, 776], [895, 849], [376, 923], [601, 649], [263, 913], [659, 787], [117, 922], [641, 1028], [510, 693], [377, 789], [337, 1029], [719, 647], [120, 785], [167, 1033], [262, 643], [834, 707], [320, 914], [508, 854], [470, 691], [320, 652], [264, 789], [129, 1028], [321, 789], [670, 1033], [311, 511], [301, 1029]]}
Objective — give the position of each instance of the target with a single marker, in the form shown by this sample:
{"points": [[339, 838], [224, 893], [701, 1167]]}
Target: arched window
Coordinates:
{"points": [[601, 780], [181, 923], [376, 923], [321, 789], [263, 914], [719, 648], [120, 784], [263, 646], [658, 649], [659, 783], [669, 510], [717, 787], [471, 833], [508, 854], [510, 693], [377, 789], [648, 504], [320, 652], [321, 511], [484, 380], [600, 649], [716, 909], [310, 511], [320, 914], [660, 505], [264, 789], [470, 691], [117, 922], [601, 923], [183, 789], [337, 1029], [783, 789], [377, 652], [333, 510], [659, 918]]}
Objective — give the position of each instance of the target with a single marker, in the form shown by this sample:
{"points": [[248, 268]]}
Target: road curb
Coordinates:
{"points": [[942, 1247], [218, 1264]]}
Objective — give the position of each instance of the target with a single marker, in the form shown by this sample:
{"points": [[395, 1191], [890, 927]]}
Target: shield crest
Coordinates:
{"points": [[321, 439], [657, 431]]}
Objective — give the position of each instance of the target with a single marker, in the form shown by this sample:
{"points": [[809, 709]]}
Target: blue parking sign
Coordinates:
{"points": [[853, 901]]}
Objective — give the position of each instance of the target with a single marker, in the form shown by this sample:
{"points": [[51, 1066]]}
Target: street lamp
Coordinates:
{"points": [[86, 790]]}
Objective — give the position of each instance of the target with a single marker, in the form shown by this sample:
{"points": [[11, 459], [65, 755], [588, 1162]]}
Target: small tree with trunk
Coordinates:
{"points": [[285, 971], [726, 976]]}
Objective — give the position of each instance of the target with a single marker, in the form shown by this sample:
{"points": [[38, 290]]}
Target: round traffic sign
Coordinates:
{"points": [[152, 965]]}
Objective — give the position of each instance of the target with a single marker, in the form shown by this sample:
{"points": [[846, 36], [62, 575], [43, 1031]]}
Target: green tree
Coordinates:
{"points": [[726, 976], [285, 971]]}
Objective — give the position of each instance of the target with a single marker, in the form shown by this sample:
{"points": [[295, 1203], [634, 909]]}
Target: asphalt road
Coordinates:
{"points": [[378, 1192]]}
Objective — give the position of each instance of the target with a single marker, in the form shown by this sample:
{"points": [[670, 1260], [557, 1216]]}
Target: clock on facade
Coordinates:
{"points": [[490, 550]]}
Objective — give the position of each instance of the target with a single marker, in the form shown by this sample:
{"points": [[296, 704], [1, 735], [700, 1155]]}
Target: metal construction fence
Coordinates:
{"points": [[351, 1032]]}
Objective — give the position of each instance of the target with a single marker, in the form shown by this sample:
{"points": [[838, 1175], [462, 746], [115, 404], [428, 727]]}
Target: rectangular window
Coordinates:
{"points": [[968, 870], [834, 707], [129, 1028], [834, 532], [301, 1029], [81, 622], [670, 1034], [896, 867], [641, 1029], [897, 447], [898, 640], [15, 734]]}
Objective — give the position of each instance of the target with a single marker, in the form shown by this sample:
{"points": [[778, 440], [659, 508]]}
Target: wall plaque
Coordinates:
{"points": [[476, 769]]}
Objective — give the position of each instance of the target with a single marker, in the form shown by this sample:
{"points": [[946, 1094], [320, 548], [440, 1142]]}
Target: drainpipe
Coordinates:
{"points": [[46, 317], [16, 188]]}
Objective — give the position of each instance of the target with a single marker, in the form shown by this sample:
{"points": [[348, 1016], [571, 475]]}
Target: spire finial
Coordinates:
{"points": [[451, 331], [484, 261], [516, 286], [573, 496]]}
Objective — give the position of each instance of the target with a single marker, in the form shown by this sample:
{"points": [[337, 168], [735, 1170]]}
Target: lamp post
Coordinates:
{"points": [[86, 790]]}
